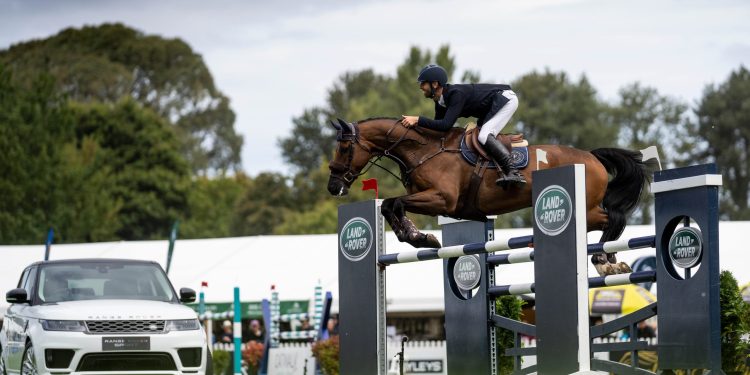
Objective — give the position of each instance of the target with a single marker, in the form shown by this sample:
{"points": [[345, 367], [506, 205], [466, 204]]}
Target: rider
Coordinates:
{"points": [[492, 104]]}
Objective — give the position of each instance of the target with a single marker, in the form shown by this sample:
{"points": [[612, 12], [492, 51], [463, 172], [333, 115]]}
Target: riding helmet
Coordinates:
{"points": [[433, 73]]}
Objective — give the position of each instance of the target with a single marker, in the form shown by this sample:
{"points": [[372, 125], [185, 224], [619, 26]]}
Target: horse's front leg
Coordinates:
{"points": [[394, 210], [388, 211]]}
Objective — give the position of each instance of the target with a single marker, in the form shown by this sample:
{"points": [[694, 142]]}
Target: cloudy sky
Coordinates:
{"points": [[276, 58]]}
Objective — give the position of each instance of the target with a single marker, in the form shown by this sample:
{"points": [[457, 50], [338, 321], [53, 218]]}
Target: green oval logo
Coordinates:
{"points": [[355, 239], [467, 272], [685, 247], [553, 210]]}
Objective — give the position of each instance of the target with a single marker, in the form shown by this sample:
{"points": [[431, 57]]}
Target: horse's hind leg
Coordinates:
{"points": [[605, 264], [596, 219]]}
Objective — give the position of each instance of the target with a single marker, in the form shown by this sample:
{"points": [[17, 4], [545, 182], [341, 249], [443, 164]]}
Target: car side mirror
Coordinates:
{"points": [[19, 295], [187, 295]]}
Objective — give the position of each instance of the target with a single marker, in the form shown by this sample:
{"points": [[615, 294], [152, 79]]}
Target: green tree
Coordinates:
{"points": [[212, 204], [554, 110], [645, 118], [55, 176], [34, 121], [263, 206], [108, 62], [722, 135], [150, 176]]}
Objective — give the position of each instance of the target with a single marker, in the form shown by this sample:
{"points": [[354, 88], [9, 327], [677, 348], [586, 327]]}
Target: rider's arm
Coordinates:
{"points": [[451, 114]]}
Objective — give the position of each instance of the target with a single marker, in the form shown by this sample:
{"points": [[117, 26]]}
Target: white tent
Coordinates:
{"points": [[294, 264]]}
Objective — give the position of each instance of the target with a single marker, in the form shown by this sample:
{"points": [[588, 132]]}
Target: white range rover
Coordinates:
{"points": [[102, 316]]}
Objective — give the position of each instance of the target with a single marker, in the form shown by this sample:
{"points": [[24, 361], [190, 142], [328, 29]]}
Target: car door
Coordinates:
{"points": [[17, 322]]}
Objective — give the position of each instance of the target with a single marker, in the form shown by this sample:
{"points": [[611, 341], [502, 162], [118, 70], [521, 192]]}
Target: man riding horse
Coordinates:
{"points": [[492, 104], [440, 179]]}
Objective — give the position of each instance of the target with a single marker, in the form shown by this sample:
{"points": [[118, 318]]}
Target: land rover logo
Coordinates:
{"points": [[355, 240], [685, 247], [467, 272], [553, 210], [153, 327]]}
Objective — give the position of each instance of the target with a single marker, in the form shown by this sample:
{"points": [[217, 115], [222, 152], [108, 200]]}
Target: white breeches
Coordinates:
{"points": [[496, 124]]}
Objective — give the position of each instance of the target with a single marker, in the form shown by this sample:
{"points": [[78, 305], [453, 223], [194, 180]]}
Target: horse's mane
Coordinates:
{"points": [[429, 133], [377, 118]]}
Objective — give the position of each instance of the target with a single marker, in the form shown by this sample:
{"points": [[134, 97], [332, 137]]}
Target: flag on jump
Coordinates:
{"points": [[541, 157], [371, 184], [649, 153]]}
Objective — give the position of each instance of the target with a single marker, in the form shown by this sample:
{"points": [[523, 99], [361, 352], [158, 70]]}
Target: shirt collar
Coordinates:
{"points": [[441, 101]]}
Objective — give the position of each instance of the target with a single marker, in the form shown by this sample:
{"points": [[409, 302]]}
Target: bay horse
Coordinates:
{"points": [[438, 180]]}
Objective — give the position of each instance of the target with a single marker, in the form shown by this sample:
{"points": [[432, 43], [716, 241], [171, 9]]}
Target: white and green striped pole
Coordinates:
{"points": [[318, 309]]}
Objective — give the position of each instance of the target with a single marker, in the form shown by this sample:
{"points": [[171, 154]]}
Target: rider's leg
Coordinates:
{"points": [[499, 153]]}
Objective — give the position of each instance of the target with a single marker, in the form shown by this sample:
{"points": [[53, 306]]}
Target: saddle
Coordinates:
{"points": [[474, 153]]}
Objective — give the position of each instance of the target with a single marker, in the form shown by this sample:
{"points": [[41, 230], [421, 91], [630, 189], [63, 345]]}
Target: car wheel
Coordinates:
{"points": [[28, 366], [209, 363]]}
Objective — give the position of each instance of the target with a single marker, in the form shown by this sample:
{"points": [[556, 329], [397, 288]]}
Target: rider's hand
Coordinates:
{"points": [[409, 121]]}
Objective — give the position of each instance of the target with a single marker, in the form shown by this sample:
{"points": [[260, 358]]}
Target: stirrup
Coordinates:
{"points": [[513, 177]]}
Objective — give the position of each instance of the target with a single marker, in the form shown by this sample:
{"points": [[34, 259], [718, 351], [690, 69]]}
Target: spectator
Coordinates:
{"points": [[226, 334], [256, 331], [332, 328]]}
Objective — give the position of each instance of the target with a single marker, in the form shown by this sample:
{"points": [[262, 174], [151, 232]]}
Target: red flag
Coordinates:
{"points": [[370, 185], [204, 283]]}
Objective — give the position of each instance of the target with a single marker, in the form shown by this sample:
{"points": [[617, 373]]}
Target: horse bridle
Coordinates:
{"points": [[353, 137]]}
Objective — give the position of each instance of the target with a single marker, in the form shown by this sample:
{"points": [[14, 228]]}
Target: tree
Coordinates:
{"points": [[212, 206], [554, 110], [263, 206], [34, 121], [722, 135], [140, 149], [52, 177], [108, 62], [645, 118]]}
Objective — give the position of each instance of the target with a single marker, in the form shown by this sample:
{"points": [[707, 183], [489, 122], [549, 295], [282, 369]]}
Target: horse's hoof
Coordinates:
{"points": [[432, 241], [623, 267], [418, 240], [604, 269]]}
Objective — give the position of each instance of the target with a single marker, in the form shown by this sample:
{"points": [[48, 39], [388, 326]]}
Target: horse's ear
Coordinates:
{"points": [[336, 126], [345, 127]]}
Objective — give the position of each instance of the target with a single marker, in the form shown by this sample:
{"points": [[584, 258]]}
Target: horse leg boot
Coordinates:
{"points": [[620, 267], [501, 156], [602, 265]]}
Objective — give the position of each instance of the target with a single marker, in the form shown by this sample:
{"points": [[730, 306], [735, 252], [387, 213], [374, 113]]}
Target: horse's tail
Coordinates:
{"points": [[623, 193]]}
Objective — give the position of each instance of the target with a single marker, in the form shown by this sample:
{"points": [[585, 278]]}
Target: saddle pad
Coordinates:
{"points": [[519, 156]]}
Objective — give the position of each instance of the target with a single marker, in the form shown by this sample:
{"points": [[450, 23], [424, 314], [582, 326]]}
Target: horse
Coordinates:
{"points": [[438, 180]]}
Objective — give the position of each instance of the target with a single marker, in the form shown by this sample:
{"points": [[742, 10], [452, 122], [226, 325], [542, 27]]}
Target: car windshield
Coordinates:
{"points": [[103, 280]]}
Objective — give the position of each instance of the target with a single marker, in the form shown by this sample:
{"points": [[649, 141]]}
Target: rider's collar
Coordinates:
{"points": [[441, 100]]}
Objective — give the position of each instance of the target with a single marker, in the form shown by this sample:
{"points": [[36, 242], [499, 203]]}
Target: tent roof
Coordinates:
{"points": [[294, 264]]}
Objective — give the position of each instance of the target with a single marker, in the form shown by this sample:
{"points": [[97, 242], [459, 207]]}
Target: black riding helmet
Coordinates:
{"points": [[433, 73]]}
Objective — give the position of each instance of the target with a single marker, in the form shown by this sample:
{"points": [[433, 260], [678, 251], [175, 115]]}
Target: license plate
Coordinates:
{"points": [[126, 343]]}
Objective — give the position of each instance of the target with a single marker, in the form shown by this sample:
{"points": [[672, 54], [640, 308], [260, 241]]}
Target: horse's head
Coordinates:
{"points": [[350, 158]]}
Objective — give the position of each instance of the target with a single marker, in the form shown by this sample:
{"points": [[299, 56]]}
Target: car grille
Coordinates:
{"points": [[126, 362], [125, 326]]}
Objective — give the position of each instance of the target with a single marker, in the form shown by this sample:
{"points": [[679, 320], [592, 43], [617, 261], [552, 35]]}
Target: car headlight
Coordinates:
{"points": [[183, 325], [63, 325]]}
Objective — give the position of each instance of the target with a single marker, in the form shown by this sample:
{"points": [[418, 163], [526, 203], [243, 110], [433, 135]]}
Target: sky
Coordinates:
{"points": [[275, 58]]}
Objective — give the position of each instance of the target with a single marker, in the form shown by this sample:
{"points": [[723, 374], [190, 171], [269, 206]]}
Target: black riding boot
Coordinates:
{"points": [[501, 156]]}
